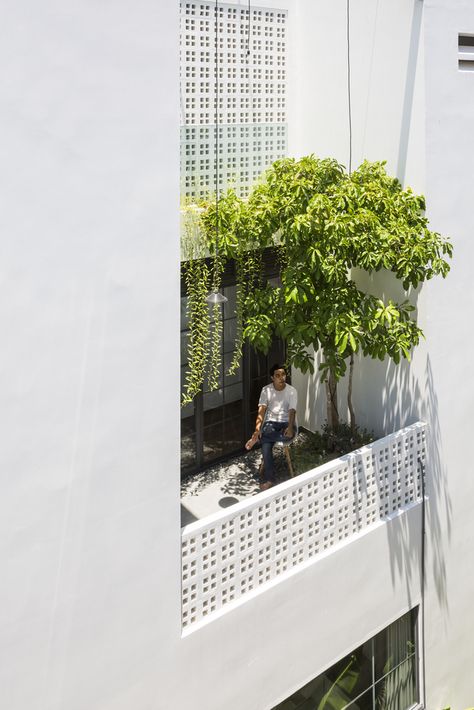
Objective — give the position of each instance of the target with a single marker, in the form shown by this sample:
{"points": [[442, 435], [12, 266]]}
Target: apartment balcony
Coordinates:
{"points": [[234, 554]]}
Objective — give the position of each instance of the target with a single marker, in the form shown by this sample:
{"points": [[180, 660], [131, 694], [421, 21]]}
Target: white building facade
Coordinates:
{"points": [[91, 567]]}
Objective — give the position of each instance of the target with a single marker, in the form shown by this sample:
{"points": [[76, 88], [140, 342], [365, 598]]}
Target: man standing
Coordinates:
{"points": [[275, 420]]}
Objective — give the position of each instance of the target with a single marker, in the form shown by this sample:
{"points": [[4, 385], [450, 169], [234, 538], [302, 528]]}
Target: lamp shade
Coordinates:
{"points": [[216, 297]]}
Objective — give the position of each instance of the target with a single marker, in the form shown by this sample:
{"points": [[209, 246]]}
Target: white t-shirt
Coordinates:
{"points": [[278, 402]]}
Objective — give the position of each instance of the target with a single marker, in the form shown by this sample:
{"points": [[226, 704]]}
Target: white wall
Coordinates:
{"points": [[386, 83], [436, 158], [387, 99], [267, 648], [445, 373], [89, 510]]}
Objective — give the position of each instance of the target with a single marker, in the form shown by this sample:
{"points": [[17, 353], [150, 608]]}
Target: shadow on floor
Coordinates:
{"points": [[225, 484]]}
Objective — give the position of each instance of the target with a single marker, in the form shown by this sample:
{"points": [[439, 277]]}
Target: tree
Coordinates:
{"points": [[323, 223]]}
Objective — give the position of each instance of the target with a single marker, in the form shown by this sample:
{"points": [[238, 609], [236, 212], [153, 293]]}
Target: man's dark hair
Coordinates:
{"points": [[276, 366]]}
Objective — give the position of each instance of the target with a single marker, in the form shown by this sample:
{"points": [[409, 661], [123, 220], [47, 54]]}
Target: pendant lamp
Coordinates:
{"points": [[215, 296]]}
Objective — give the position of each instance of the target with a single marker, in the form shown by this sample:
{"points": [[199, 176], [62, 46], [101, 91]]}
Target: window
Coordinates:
{"points": [[382, 674], [217, 424], [466, 52]]}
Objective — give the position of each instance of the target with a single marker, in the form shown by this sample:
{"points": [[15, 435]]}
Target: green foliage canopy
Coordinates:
{"points": [[324, 223]]}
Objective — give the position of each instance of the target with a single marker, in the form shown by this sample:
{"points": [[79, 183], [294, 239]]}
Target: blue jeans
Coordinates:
{"points": [[271, 433]]}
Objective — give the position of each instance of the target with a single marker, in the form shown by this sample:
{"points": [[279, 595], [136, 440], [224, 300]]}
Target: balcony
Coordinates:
{"points": [[232, 555]]}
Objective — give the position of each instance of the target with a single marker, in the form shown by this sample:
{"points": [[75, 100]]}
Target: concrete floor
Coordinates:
{"points": [[224, 484]]}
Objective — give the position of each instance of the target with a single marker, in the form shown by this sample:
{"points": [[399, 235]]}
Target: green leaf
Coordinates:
{"points": [[325, 226], [342, 344]]}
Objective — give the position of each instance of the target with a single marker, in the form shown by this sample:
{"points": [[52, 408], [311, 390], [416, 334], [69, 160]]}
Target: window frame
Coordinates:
{"points": [[414, 656]]}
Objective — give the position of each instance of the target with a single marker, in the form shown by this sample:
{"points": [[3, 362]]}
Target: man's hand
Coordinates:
{"points": [[253, 440], [289, 432]]}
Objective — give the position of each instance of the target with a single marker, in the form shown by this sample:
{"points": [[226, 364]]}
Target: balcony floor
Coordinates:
{"points": [[224, 484]]}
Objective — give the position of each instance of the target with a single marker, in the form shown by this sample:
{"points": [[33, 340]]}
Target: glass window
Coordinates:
{"points": [[353, 674], [230, 292], [184, 346], [188, 436], [398, 690], [379, 675], [363, 702], [184, 315], [394, 644], [214, 442], [217, 424], [188, 450], [230, 332], [212, 401]]}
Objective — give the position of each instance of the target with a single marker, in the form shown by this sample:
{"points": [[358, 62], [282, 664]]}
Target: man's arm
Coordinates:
{"points": [[258, 427], [259, 421], [290, 430]]}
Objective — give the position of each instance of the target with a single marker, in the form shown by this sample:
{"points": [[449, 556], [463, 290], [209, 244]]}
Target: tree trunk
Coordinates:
{"points": [[331, 401], [349, 396]]}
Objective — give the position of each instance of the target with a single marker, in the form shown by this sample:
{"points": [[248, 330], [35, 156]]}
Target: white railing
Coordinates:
{"points": [[231, 554]]}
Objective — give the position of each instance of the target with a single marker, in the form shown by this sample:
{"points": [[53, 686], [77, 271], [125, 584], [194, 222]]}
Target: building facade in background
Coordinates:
{"points": [[251, 78]]}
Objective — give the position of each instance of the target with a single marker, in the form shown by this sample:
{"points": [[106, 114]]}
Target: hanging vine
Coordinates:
{"points": [[203, 272], [215, 336], [247, 268], [196, 276]]}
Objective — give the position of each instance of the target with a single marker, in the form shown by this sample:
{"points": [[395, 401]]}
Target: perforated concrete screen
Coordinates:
{"points": [[251, 98], [232, 554]]}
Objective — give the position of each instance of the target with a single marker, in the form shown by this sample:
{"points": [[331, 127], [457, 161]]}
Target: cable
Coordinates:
{"points": [[349, 82], [215, 297], [216, 129], [248, 31], [249, 79], [423, 575]]}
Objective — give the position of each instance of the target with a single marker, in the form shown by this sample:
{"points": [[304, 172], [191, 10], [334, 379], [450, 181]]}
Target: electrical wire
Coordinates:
{"points": [[423, 575], [249, 73], [216, 128], [349, 105], [215, 297], [248, 31]]}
